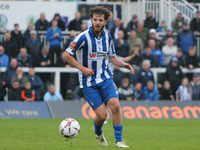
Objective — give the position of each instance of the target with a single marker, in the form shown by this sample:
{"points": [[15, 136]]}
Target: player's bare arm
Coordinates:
{"points": [[70, 59], [128, 58], [116, 61]]}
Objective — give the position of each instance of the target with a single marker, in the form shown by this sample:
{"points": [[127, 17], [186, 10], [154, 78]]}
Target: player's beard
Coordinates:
{"points": [[97, 30]]}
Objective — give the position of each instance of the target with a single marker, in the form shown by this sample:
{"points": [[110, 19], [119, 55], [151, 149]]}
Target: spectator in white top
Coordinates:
{"points": [[168, 51]]}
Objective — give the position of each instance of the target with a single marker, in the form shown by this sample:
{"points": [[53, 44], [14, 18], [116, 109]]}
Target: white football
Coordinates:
{"points": [[69, 128]]}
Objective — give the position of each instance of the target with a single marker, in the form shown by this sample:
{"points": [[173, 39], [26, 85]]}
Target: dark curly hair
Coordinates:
{"points": [[99, 10]]}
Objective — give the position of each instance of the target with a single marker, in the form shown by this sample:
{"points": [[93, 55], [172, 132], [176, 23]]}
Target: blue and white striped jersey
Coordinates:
{"points": [[184, 93], [93, 52]]}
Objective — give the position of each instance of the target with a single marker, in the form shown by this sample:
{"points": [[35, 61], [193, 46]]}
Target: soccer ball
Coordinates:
{"points": [[69, 128]]}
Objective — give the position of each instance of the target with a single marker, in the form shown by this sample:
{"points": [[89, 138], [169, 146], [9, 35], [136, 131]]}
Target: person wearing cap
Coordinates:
{"points": [[195, 23], [27, 32], [60, 24], [142, 32], [3, 24], [174, 75], [162, 28], [168, 34], [186, 38], [42, 24], [33, 44], [177, 23], [195, 85], [150, 22], [132, 25], [24, 59], [17, 37], [75, 24]]}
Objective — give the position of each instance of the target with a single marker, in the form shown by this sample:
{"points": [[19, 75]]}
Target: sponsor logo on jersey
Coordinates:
{"points": [[73, 45]]}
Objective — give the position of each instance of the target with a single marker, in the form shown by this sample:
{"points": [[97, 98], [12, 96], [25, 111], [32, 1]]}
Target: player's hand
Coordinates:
{"points": [[129, 67], [87, 71]]}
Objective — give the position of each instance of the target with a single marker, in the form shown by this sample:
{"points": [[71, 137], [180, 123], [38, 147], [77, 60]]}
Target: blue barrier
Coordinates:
{"points": [[24, 110]]}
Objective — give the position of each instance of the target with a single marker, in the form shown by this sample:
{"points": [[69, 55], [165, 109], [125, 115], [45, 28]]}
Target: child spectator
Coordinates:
{"points": [[149, 92], [166, 93], [184, 91], [181, 58], [27, 94], [125, 90], [137, 90]]}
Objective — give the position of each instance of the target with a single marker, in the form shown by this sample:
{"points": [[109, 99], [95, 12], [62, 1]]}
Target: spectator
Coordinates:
{"points": [[166, 93], [9, 46], [83, 27], [42, 24], [3, 24], [10, 71], [132, 25], [24, 59], [192, 59], [137, 90], [152, 35], [78, 94], [142, 33], [60, 23], [27, 32], [174, 75], [154, 62], [76, 23], [149, 92], [168, 35], [125, 90], [177, 23], [4, 59], [19, 77], [133, 40], [89, 24], [110, 23], [162, 28], [186, 38], [33, 44], [51, 95], [114, 31], [156, 52], [2, 87], [144, 75], [43, 59], [65, 77], [17, 38], [184, 91], [15, 92], [36, 83], [195, 86], [121, 45], [150, 22], [168, 51], [28, 94], [117, 76], [181, 58], [54, 36], [195, 23], [136, 60]]}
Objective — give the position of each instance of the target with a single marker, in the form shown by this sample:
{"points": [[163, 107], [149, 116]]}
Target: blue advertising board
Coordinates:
{"points": [[24, 110]]}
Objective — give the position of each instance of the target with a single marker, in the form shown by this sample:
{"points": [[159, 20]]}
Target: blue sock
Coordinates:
{"points": [[118, 132], [97, 129]]}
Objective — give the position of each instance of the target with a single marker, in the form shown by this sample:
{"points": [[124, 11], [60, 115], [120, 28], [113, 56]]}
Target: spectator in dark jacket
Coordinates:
{"points": [[9, 46], [181, 58], [4, 59], [27, 32], [2, 87], [36, 83], [42, 24], [192, 59], [76, 23], [150, 22], [168, 34], [195, 85], [174, 75], [132, 25], [125, 90], [144, 75], [137, 90], [136, 60], [15, 92], [195, 23], [148, 56], [44, 60], [186, 38], [60, 23], [121, 45], [33, 44], [117, 28], [117, 76], [17, 37], [24, 59], [54, 36], [166, 93]]}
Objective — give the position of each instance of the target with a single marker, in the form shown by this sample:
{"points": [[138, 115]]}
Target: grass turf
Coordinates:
{"points": [[43, 134]]}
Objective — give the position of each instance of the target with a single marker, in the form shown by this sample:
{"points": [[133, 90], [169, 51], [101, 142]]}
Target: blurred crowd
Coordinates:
{"points": [[171, 51]]}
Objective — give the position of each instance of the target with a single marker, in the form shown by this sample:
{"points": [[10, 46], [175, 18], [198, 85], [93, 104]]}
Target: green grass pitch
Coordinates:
{"points": [[42, 134]]}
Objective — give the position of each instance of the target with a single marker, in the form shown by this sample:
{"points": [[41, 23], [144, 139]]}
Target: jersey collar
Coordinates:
{"points": [[92, 33]]}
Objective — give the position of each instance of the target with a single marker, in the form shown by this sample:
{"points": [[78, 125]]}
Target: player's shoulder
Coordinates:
{"points": [[82, 35], [108, 34]]}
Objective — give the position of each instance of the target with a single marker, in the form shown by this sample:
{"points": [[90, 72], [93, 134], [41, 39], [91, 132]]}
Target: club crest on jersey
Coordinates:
{"points": [[73, 45], [92, 55]]}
